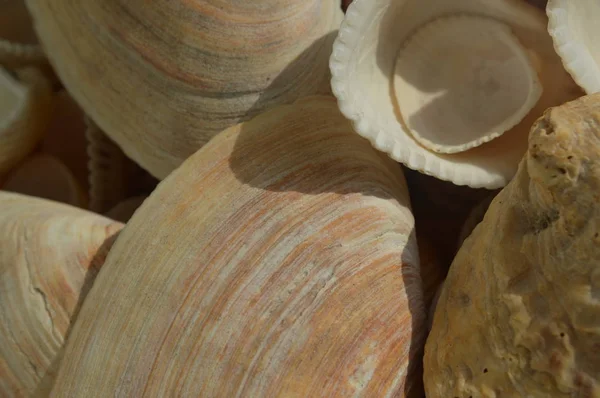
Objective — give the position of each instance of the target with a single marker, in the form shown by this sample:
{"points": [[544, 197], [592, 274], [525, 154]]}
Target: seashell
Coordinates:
{"points": [[25, 109], [573, 27], [113, 177], [125, 209], [65, 137], [45, 176], [50, 254], [363, 67], [162, 78], [491, 75], [527, 278], [278, 260], [18, 43]]}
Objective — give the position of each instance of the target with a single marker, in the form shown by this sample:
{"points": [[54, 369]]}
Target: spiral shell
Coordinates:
{"points": [[50, 254], [278, 260]]}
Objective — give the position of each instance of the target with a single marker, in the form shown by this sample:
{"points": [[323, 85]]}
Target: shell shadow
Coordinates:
{"points": [[47, 383], [256, 162]]}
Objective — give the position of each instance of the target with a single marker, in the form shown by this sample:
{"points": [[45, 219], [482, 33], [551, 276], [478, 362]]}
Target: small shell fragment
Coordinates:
{"points": [[477, 61], [25, 109], [573, 25]]}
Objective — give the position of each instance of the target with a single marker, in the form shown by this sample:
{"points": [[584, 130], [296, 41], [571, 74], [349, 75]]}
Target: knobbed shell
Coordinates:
{"points": [[18, 43], [573, 26], [371, 73], [519, 315], [278, 260], [25, 109], [50, 254], [162, 78]]}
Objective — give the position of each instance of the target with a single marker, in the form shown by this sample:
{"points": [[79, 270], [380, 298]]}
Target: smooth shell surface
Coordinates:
{"points": [[574, 28], [278, 260], [162, 77], [45, 176], [494, 80], [519, 314], [25, 109], [363, 64], [50, 254]]}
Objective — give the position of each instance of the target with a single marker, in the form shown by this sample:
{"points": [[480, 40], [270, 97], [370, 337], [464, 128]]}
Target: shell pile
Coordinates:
{"points": [[299, 198]]}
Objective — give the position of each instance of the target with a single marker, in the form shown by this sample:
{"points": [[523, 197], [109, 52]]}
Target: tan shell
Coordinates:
{"points": [[519, 314], [279, 260], [25, 108], [18, 43], [125, 209], [113, 177], [49, 256], [162, 77], [44, 176], [65, 137]]}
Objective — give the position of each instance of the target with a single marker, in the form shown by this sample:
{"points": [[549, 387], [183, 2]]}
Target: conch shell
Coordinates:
{"points": [[50, 254], [18, 43], [278, 260], [25, 109], [45, 176], [519, 314], [162, 77], [373, 75], [573, 26]]}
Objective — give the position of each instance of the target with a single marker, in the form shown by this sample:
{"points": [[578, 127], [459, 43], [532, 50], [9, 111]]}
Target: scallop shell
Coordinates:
{"points": [[363, 64], [45, 176], [113, 177], [573, 26], [25, 109], [162, 78], [65, 137], [49, 256], [18, 43], [278, 260], [519, 314], [125, 209]]}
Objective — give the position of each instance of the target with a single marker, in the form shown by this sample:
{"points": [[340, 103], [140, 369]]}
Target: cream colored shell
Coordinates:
{"points": [[519, 314], [278, 260], [574, 28], [50, 254], [25, 109], [162, 77], [362, 66]]}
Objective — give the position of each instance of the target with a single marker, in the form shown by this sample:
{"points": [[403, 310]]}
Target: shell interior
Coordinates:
{"points": [[457, 90]]}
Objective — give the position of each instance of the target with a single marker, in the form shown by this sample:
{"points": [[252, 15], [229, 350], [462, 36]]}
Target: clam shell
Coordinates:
{"points": [[518, 315], [18, 43], [25, 109], [362, 66], [573, 26], [278, 260], [50, 254], [45, 176], [162, 78], [113, 177]]}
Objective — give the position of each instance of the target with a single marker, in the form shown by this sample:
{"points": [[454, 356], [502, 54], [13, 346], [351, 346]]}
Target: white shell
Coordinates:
{"points": [[490, 76], [573, 25], [363, 62]]}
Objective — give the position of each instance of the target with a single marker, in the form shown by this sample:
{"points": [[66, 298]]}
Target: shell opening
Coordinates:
{"points": [[461, 81]]}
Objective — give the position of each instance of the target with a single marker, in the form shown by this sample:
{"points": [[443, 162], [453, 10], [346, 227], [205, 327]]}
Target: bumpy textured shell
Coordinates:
{"points": [[26, 102], [45, 176], [50, 254], [279, 260], [362, 66], [162, 77], [519, 314]]}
